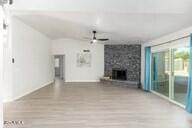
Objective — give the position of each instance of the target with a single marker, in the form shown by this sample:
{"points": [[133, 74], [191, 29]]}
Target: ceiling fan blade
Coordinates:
{"points": [[102, 42], [102, 39]]}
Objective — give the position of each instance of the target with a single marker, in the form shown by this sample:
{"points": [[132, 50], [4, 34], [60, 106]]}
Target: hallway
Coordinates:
{"points": [[94, 105]]}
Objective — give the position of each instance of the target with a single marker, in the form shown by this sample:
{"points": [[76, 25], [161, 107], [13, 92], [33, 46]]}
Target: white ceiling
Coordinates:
{"points": [[122, 21]]}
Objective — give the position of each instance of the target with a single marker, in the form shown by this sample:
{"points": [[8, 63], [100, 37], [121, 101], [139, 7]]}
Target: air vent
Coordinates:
{"points": [[2, 2], [86, 50]]}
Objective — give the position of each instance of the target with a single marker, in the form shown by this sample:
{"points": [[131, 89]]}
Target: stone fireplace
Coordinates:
{"points": [[122, 62]]}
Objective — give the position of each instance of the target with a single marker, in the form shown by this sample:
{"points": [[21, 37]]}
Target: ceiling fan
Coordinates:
{"points": [[94, 39]]}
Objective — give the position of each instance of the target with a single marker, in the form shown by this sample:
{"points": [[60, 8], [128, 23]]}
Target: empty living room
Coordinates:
{"points": [[95, 64]]}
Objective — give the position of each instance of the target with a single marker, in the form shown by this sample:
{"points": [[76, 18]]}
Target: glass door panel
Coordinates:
{"points": [[180, 74], [160, 72]]}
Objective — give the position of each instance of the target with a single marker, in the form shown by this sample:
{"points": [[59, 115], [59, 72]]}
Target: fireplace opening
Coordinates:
{"points": [[119, 74]]}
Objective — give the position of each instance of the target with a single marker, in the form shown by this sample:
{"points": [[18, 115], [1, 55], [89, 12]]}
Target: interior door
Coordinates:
{"points": [[180, 64], [57, 67], [60, 66]]}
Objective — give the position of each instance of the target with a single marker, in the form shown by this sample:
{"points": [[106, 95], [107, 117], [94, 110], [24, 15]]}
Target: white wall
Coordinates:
{"points": [[70, 48], [172, 36], [33, 67], [1, 67]]}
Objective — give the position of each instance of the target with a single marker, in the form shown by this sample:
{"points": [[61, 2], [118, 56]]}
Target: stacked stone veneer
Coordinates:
{"points": [[126, 57]]}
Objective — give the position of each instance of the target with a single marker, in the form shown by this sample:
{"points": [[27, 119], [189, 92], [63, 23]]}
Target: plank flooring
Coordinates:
{"points": [[94, 105]]}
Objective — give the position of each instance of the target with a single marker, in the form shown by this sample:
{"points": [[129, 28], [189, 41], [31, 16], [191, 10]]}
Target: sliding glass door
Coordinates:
{"points": [[180, 74], [160, 72], [169, 73]]}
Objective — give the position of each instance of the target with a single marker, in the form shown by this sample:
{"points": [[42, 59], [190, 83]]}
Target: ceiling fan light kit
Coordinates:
{"points": [[94, 39]]}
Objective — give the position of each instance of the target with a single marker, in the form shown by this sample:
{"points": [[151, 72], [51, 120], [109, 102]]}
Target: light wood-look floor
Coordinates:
{"points": [[93, 105]]}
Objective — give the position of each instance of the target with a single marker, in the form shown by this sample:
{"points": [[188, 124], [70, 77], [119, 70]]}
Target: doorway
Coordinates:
{"points": [[59, 66], [170, 72]]}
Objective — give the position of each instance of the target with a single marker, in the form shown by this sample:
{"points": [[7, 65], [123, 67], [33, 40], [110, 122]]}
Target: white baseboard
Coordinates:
{"points": [[82, 81], [24, 94]]}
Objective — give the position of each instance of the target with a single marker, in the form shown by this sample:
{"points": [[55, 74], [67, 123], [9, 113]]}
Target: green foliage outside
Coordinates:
{"points": [[184, 55]]}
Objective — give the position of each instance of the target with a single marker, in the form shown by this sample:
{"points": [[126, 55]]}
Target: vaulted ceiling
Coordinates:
{"points": [[122, 21]]}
